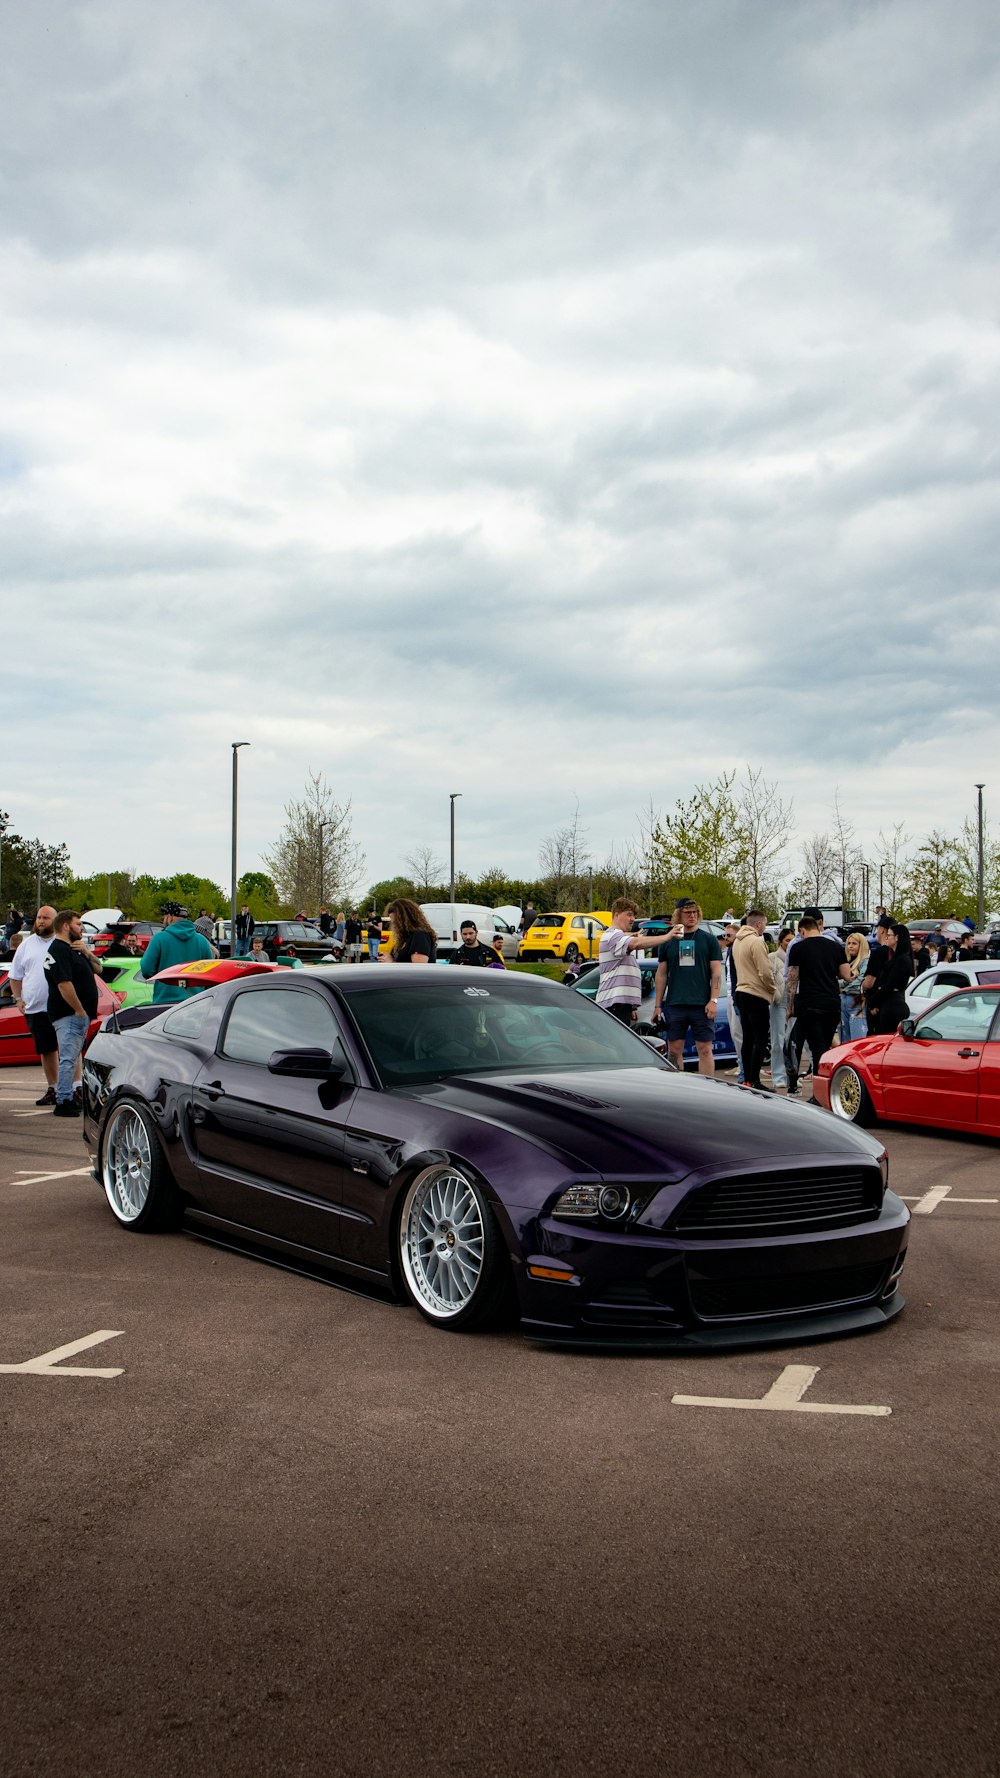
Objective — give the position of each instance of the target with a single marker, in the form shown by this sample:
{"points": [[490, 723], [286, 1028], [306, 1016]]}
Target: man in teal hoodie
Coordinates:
{"points": [[177, 943]]}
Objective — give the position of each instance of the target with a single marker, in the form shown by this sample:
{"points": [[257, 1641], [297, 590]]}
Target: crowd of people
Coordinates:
{"points": [[811, 990]]}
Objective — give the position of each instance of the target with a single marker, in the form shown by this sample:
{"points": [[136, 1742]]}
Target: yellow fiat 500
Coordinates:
{"points": [[563, 936]]}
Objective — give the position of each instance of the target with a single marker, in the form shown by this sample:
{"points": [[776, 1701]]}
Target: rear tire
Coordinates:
{"points": [[849, 1097], [137, 1181]]}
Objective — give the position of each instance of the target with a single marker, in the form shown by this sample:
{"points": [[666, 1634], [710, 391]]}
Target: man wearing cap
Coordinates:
{"points": [[689, 975], [177, 943]]}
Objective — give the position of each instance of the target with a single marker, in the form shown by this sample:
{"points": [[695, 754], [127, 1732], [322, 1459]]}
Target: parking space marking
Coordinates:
{"points": [[783, 1397], [928, 1202], [27, 1177], [45, 1112], [47, 1363]]}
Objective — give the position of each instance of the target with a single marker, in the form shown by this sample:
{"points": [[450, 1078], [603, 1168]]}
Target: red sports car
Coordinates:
{"points": [[942, 1068], [16, 1043]]}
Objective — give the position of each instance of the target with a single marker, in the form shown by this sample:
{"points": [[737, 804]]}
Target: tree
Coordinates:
{"points": [[565, 861], [764, 823], [315, 859], [390, 889], [699, 850], [847, 860], [938, 881], [426, 870], [819, 865], [893, 864]]}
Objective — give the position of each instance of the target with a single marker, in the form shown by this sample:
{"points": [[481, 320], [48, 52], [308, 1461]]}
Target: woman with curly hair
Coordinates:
{"points": [[413, 939]]}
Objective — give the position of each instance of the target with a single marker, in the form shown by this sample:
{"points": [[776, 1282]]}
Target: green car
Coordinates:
{"points": [[122, 974]]}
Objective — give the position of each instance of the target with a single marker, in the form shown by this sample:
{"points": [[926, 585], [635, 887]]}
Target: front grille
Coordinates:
{"points": [[730, 1298], [778, 1203]]}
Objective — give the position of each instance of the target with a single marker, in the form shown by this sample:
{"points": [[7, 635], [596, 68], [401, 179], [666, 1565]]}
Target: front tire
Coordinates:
{"points": [[454, 1263], [849, 1097], [571, 954], [137, 1181]]}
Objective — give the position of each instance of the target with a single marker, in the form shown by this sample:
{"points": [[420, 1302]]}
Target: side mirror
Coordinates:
{"points": [[908, 1029], [306, 1065]]}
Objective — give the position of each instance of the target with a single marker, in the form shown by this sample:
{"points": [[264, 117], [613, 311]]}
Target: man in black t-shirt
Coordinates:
{"points": [[69, 972], [352, 938], [470, 950], [813, 976]]}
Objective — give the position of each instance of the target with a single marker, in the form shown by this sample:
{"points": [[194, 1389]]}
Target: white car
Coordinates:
{"points": [[935, 983]]}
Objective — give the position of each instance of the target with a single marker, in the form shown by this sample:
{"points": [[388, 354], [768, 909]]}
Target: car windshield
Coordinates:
{"points": [[479, 1030]]}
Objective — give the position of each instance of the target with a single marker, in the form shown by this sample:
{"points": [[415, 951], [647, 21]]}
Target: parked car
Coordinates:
{"points": [[942, 1068], [123, 974], [723, 1047], [942, 978], [141, 930], [16, 1042], [96, 919], [277, 935], [833, 918], [490, 1149], [563, 937]]}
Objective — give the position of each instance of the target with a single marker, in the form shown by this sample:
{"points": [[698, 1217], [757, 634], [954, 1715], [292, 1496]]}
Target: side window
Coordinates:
{"points": [[278, 1019], [189, 1019], [923, 990], [964, 1019], [949, 978], [577, 921]]}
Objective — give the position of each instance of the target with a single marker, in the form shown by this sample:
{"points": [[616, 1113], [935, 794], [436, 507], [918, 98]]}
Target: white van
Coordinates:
{"points": [[446, 919]]}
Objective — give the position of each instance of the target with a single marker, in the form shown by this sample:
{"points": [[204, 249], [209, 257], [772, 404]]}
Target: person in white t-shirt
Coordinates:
{"points": [[30, 988], [619, 990]]}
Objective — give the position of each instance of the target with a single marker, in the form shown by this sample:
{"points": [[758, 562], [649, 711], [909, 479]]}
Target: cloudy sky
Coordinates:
{"points": [[543, 401]]}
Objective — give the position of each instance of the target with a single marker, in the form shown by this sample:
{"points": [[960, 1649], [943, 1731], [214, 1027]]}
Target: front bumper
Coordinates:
{"points": [[637, 1293]]}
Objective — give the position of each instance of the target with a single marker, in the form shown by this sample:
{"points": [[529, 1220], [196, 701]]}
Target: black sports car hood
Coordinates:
{"points": [[648, 1121]]}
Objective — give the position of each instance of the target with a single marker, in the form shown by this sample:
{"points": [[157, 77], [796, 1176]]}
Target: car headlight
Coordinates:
{"points": [[587, 1203]]}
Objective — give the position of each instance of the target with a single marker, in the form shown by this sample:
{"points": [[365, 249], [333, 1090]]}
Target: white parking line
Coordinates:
{"points": [[47, 1364], [26, 1177], [928, 1202], [783, 1397]]}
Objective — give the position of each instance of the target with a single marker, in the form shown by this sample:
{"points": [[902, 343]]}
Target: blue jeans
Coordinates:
{"points": [[779, 1021], [853, 1022], [241, 948], [70, 1033], [373, 945]]}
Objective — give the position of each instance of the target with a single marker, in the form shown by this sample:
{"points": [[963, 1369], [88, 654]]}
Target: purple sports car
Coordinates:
{"points": [[492, 1149]]}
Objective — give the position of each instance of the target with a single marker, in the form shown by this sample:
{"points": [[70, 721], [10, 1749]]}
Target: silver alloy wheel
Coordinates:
{"points": [[128, 1164], [441, 1240], [847, 1095]]}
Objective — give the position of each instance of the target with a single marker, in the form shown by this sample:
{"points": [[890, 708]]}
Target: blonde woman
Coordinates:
{"points": [[778, 1015], [413, 939], [853, 1022]]}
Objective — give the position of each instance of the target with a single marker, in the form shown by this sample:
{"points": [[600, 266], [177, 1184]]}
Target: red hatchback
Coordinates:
{"points": [[141, 930], [16, 1042], [942, 1068]]}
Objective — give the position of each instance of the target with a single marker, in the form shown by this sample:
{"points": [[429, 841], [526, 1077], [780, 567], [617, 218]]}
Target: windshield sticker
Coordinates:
{"points": [[476, 993]]}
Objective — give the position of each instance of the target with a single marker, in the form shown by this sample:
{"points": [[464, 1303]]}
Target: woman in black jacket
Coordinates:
{"points": [[890, 972]]}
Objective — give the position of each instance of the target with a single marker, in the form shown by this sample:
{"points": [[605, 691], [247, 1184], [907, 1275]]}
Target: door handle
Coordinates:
{"points": [[215, 1091], [968, 1052]]}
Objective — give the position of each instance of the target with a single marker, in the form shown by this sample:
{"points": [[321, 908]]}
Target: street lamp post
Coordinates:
{"points": [[236, 745], [454, 796], [981, 920]]}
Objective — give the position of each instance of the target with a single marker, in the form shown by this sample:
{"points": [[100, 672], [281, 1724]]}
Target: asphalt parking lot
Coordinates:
{"points": [[296, 1531]]}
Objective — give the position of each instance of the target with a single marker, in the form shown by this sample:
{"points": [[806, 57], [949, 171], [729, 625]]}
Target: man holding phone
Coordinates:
{"points": [[688, 980]]}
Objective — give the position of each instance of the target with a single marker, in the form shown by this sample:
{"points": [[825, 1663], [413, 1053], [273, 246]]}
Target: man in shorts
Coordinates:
{"points": [[688, 980], [30, 989]]}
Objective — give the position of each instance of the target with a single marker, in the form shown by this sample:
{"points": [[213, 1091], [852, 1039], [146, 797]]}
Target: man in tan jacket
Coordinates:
{"points": [[754, 993]]}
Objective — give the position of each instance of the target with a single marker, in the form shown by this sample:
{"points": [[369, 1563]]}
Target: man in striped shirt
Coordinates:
{"points": [[619, 990]]}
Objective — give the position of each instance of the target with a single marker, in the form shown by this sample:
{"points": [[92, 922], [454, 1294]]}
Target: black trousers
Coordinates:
{"points": [[621, 1010], [755, 1015], [883, 1020], [815, 1026]]}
